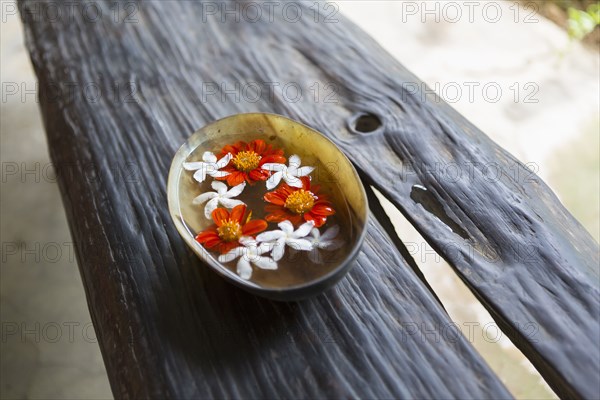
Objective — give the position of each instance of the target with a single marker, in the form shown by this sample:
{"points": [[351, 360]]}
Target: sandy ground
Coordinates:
{"points": [[546, 113]]}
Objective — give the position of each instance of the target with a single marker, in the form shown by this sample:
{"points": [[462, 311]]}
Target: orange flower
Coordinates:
{"points": [[228, 228], [247, 161], [297, 204]]}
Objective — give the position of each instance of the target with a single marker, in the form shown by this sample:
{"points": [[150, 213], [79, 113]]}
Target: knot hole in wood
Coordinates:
{"points": [[365, 123]]}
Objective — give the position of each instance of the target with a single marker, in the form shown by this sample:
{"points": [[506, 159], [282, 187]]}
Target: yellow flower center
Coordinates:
{"points": [[246, 161], [300, 201], [230, 230]]}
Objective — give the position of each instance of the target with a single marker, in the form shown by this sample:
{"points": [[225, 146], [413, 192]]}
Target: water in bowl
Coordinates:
{"points": [[296, 267]]}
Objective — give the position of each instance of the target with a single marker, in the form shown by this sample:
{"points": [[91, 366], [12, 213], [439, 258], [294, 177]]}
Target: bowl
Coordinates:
{"points": [[268, 203]]}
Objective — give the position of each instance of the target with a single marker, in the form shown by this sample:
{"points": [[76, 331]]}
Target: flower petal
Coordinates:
{"points": [[315, 256], [294, 160], [219, 215], [244, 269], [231, 255], [224, 160], [253, 227], [259, 174], [210, 243], [270, 236], [192, 166], [323, 208], [238, 212], [319, 220], [331, 244], [210, 207], [274, 198], [233, 148], [207, 235], [331, 233], [200, 175], [272, 208], [304, 229], [273, 158], [225, 247], [204, 197], [236, 190], [218, 174], [247, 241], [265, 247], [278, 214], [293, 181], [230, 203], [304, 171], [286, 226], [292, 170], [235, 178], [299, 244], [274, 180], [315, 233], [278, 249], [306, 183], [264, 262], [273, 166], [209, 157], [220, 187], [259, 146]]}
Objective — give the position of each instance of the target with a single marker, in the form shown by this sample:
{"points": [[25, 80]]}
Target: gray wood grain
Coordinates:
{"points": [[168, 327]]}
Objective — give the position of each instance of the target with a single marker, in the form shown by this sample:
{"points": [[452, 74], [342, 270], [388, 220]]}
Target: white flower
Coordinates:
{"points": [[327, 241], [208, 166], [250, 252], [290, 174], [221, 196], [287, 236]]}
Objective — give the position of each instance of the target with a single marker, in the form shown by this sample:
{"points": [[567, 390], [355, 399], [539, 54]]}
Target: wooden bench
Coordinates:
{"points": [[145, 75]]}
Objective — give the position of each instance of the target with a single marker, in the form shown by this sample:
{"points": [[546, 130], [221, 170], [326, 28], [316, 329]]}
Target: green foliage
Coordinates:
{"points": [[581, 22]]}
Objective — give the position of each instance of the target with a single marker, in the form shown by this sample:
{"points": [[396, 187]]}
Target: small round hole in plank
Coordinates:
{"points": [[364, 123]]}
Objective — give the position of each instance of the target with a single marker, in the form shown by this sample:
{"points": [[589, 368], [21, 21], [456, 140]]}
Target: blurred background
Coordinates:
{"points": [[543, 56]]}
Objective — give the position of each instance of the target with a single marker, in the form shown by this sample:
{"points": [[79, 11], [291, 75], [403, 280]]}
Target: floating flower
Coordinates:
{"points": [[248, 160], [222, 196], [249, 252], [290, 174], [228, 229], [327, 241], [297, 204], [287, 237], [208, 166]]}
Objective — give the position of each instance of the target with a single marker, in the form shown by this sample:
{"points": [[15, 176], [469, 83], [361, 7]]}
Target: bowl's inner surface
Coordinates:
{"points": [[333, 174]]}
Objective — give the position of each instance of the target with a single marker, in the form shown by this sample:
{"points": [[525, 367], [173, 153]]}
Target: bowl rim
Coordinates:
{"points": [[173, 194]]}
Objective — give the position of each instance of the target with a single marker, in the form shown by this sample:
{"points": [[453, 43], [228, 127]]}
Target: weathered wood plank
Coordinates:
{"points": [[525, 257], [167, 326], [508, 237]]}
